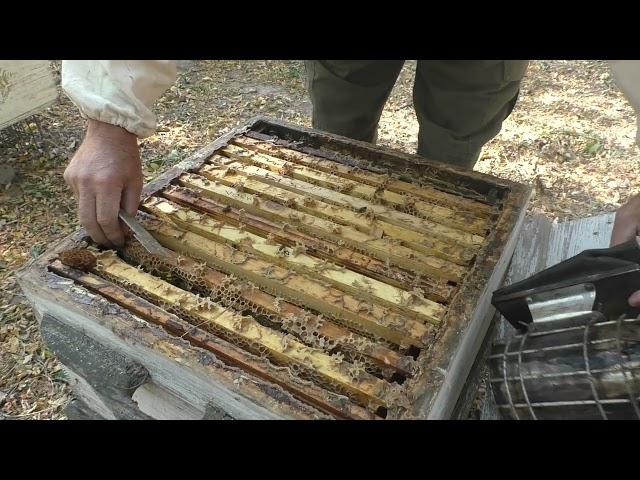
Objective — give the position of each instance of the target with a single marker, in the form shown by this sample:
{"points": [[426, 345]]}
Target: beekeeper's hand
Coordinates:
{"points": [[105, 175], [625, 228]]}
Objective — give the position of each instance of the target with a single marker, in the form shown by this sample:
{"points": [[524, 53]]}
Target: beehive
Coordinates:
{"points": [[309, 276]]}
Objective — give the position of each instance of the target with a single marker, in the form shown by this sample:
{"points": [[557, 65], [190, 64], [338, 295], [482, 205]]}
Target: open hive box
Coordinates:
{"points": [[309, 276]]}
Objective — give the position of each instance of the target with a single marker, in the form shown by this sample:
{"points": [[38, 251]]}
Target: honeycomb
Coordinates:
{"points": [[79, 258], [339, 275]]}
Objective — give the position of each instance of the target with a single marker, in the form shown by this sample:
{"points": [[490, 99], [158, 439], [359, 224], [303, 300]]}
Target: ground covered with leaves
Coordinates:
{"points": [[571, 135]]}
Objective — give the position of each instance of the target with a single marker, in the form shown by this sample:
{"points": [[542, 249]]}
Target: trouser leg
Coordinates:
{"points": [[348, 95], [461, 104]]}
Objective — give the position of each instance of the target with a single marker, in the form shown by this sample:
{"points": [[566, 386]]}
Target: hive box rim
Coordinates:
{"points": [[451, 356]]}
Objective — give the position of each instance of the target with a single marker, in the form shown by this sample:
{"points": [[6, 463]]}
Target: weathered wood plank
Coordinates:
{"points": [[160, 404], [567, 239], [110, 376], [26, 87]]}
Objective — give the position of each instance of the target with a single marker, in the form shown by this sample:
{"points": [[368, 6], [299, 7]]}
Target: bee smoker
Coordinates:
{"points": [[576, 354]]}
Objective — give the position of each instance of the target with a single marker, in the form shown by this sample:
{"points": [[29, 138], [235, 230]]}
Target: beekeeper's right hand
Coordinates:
{"points": [[105, 175]]}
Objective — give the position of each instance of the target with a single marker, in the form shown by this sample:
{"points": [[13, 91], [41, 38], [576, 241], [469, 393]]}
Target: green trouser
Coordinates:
{"points": [[460, 104]]}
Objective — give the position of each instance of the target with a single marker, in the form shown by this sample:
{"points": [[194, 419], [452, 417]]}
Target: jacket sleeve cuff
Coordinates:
{"points": [[118, 92]]}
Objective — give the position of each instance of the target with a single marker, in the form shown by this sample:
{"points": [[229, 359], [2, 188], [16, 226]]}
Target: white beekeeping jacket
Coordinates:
{"points": [[119, 92], [627, 77], [122, 92]]}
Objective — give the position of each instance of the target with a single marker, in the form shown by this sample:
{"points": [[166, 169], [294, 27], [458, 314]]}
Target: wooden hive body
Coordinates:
{"points": [[310, 276], [26, 87]]}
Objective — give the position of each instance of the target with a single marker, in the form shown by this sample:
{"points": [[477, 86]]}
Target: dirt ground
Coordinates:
{"points": [[571, 135]]}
